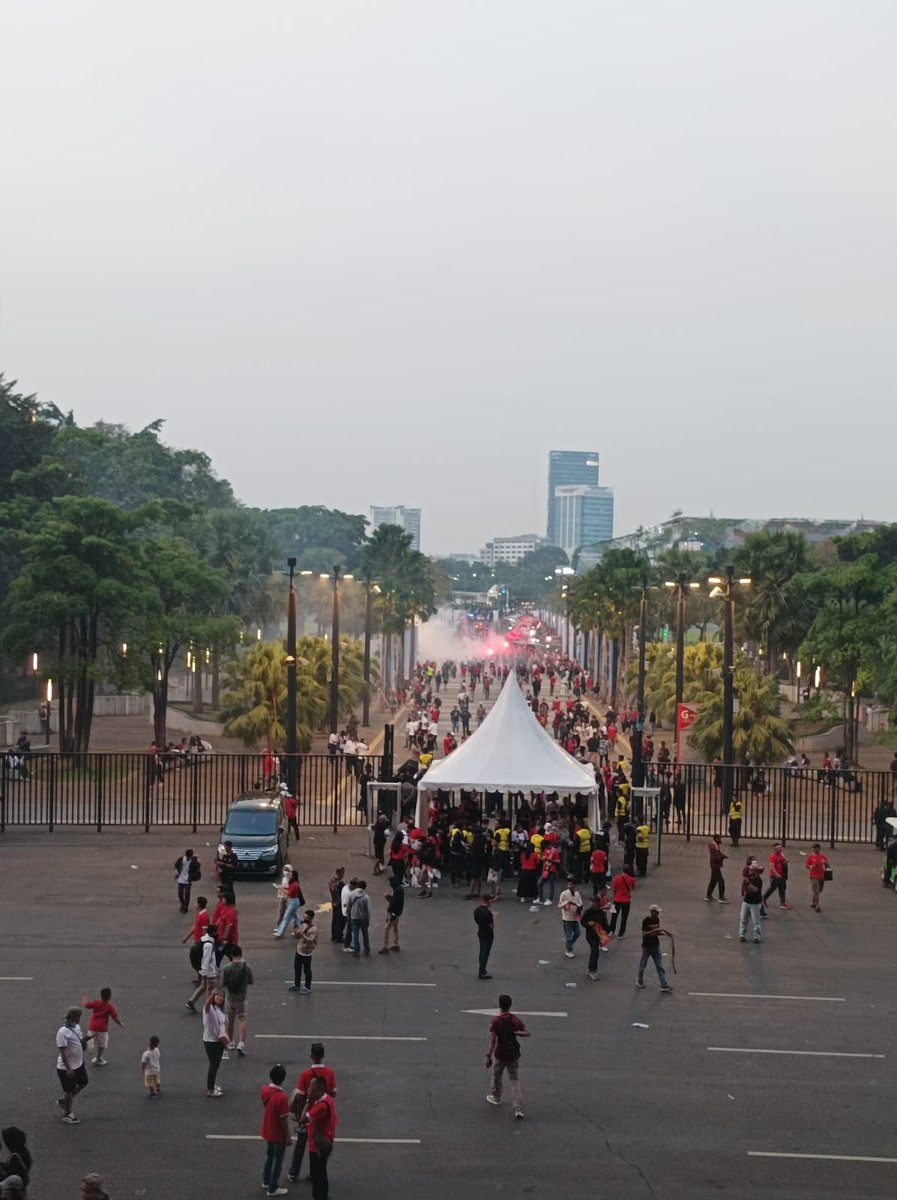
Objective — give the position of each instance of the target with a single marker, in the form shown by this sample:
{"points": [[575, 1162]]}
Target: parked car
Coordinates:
{"points": [[255, 828]]}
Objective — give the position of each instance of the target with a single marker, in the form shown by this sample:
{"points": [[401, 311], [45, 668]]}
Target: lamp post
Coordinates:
{"points": [[291, 679], [49, 707], [797, 689], [564, 572], [334, 576], [638, 766], [370, 590], [725, 589]]}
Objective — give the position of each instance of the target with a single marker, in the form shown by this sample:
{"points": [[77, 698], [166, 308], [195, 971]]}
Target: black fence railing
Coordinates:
{"points": [[104, 790], [778, 803]]}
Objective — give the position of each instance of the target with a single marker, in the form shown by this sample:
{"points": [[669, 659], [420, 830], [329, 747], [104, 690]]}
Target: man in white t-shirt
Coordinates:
{"points": [[70, 1063], [571, 907]]}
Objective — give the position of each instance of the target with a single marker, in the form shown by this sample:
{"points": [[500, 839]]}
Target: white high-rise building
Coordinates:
{"points": [[406, 518], [510, 549]]}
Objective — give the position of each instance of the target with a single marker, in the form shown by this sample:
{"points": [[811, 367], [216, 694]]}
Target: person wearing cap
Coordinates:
{"points": [[485, 923], [12, 1187], [651, 932], [571, 907], [92, 1187], [290, 811], [70, 1066]]}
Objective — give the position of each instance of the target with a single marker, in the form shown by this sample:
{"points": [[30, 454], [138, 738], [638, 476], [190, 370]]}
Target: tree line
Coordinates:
{"points": [[122, 559]]}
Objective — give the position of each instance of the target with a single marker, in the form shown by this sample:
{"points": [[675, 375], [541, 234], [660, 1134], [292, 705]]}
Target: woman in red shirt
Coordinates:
{"points": [[527, 886], [816, 865]]}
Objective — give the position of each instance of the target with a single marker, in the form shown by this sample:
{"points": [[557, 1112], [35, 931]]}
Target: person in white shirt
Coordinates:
{"points": [[151, 1061], [214, 1039], [571, 907], [70, 1063]]}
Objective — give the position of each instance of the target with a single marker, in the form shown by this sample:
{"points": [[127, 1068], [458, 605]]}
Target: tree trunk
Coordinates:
{"points": [[198, 706], [216, 680]]}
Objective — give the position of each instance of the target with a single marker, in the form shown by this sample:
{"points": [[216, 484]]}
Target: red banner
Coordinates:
{"points": [[685, 717]]}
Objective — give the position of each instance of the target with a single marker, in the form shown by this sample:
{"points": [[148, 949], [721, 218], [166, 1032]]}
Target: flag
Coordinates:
{"points": [[686, 716]]}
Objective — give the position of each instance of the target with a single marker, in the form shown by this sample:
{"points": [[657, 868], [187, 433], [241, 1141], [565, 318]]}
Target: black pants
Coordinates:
{"points": [[641, 860], [317, 1166], [776, 885], [214, 1051], [485, 951], [184, 895], [583, 872], [716, 880], [594, 951], [735, 831], [337, 923], [299, 1151], [623, 914], [302, 966]]}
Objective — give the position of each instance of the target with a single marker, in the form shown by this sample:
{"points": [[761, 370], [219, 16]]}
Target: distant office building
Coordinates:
{"points": [[584, 515], [510, 549], [567, 468], [406, 518]]}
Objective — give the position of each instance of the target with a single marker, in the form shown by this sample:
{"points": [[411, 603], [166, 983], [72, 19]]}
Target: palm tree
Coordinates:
{"points": [[407, 585], [760, 735], [775, 611]]}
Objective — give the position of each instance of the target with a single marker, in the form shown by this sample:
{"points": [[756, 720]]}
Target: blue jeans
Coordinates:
{"points": [[273, 1162], [572, 930], [360, 928], [653, 953], [546, 883], [289, 914]]}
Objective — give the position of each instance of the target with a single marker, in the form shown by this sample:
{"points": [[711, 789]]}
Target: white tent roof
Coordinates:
{"points": [[510, 751]]}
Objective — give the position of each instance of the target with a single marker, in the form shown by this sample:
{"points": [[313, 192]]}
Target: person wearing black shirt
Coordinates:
{"points": [[485, 922], [227, 867], [651, 931]]}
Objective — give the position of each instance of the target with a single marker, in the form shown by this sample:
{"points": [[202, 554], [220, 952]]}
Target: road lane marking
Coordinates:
{"points": [[754, 996], [336, 1037], [364, 983], [254, 1137], [16, 978], [821, 1157], [518, 1012], [810, 1053]]}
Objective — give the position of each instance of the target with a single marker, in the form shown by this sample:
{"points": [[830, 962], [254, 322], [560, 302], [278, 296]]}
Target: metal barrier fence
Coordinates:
{"points": [[778, 803], [105, 790]]}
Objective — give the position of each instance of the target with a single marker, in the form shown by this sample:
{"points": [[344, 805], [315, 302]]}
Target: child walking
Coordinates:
{"points": [[101, 1012], [151, 1061]]}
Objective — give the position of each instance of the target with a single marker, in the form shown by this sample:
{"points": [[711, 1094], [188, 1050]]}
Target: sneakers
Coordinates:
{"points": [[279, 1192], [294, 987], [385, 950], [722, 900], [545, 903], [101, 1062], [593, 977], [742, 938], [788, 906], [518, 1114], [215, 1093], [231, 1045], [639, 984], [225, 1057], [71, 1119], [569, 954], [396, 949], [666, 990], [709, 899], [490, 1099], [304, 991]]}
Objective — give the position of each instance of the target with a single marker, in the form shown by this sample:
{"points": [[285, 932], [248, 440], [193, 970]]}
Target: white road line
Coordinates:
{"points": [[810, 1053], [335, 1037], [364, 983], [518, 1012], [254, 1137], [821, 1157], [754, 996], [16, 978]]}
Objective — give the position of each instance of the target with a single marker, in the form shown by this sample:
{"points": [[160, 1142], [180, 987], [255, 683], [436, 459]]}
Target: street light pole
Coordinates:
{"points": [[370, 590], [291, 680], [334, 654], [638, 766], [728, 692]]}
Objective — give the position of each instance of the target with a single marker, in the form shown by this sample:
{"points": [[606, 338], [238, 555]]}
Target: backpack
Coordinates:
{"points": [[507, 1046]]}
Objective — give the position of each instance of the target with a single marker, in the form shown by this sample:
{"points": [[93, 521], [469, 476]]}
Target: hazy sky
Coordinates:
{"points": [[393, 251]]}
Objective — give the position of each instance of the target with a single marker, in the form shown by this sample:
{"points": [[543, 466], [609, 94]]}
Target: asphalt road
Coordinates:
{"points": [[646, 1112]]}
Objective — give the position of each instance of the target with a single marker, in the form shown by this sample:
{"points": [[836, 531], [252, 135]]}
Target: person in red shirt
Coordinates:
{"points": [[448, 744], [503, 1054], [598, 869], [778, 875], [101, 1012], [275, 1129], [551, 864], [225, 918], [200, 925], [623, 884], [816, 865], [319, 1119], [299, 1097]]}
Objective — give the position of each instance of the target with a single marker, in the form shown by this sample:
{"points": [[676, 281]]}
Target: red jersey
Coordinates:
{"points": [[623, 885], [816, 864], [200, 924], [102, 1010], [275, 1106], [599, 862], [321, 1117], [325, 1073]]}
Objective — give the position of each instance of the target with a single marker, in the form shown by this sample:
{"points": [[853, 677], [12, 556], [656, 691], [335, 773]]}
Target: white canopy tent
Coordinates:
{"points": [[510, 752]]}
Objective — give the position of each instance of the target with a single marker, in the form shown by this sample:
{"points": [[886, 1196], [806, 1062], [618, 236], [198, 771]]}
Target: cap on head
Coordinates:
{"points": [[654, 908], [73, 1014]]}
